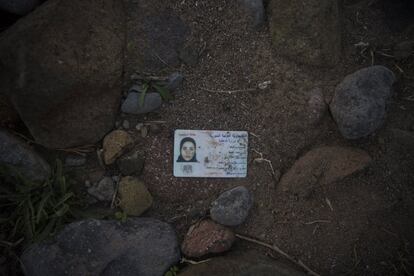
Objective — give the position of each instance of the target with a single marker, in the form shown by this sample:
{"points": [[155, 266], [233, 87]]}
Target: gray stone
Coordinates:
{"points": [[307, 32], [175, 80], [20, 7], [136, 88], [139, 126], [131, 163], [360, 101], [255, 10], [103, 190], [131, 104], [15, 153], [139, 246], [68, 96], [75, 161], [232, 207], [156, 34], [125, 124], [248, 263]]}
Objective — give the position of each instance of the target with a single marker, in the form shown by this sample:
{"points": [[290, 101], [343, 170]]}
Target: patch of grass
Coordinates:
{"points": [[173, 271], [32, 211], [161, 89]]}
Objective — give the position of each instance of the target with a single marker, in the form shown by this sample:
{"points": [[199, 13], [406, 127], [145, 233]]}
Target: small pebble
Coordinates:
{"points": [[75, 161], [155, 129], [144, 132], [125, 124], [139, 126], [103, 190]]}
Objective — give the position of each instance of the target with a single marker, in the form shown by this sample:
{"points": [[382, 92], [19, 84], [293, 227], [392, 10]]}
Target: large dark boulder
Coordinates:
{"points": [[17, 156], [139, 246], [20, 7], [307, 32], [61, 69]]}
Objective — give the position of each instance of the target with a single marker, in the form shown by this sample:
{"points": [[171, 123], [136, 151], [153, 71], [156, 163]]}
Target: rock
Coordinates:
{"points": [[134, 196], [255, 11], [139, 126], [232, 207], [156, 35], [63, 76], [125, 124], [189, 55], [308, 33], [103, 190], [116, 178], [136, 88], [75, 160], [139, 246], [248, 263], [95, 175], [316, 107], [8, 115], [20, 7], [114, 145], [132, 105], [155, 129], [404, 49], [175, 80], [322, 166], [131, 164], [207, 237], [17, 155], [360, 100]]}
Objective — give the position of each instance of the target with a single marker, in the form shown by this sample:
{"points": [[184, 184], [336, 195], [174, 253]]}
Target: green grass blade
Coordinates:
{"points": [[41, 207], [164, 93], [62, 211], [64, 199], [145, 87]]}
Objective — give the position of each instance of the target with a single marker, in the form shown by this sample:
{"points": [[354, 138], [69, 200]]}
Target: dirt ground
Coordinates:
{"points": [[370, 228]]}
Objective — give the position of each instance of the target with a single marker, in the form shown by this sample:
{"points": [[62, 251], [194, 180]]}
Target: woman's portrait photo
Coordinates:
{"points": [[187, 150]]}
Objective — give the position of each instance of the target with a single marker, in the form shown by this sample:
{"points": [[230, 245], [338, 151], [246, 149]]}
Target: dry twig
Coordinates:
{"points": [[317, 221], [329, 203], [81, 150], [278, 250], [184, 260], [260, 86], [261, 159], [229, 91]]}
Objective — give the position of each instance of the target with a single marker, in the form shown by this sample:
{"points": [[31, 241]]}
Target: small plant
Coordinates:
{"points": [[32, 211], [121, 216], [158, 87], [173, 271]]}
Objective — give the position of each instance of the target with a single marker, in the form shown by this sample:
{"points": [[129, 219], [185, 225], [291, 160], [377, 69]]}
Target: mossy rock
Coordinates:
{"points": [[134, 196]]}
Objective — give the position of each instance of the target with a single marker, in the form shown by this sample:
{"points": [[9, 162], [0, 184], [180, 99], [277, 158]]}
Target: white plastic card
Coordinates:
{"points": [[210, 153]]}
